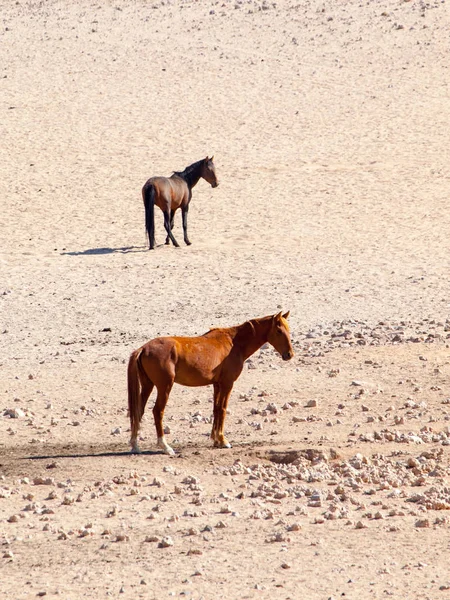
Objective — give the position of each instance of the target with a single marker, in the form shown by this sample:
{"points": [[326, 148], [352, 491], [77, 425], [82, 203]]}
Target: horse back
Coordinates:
{"points": [[190, 361]]}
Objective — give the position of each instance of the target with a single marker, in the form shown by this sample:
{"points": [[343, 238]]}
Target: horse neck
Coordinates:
{"points": [[261, 330], [191, 174]]}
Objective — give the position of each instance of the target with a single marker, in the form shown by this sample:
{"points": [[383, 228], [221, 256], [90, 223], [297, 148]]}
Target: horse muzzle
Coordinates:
{"points": [[287, 355], [214, 185]]}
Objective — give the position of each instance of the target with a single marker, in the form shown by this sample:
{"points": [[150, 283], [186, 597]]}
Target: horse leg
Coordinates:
{"points": [[172, 217], [215, 412], [158, 413], [168, 228], [146, 389], [184, 213], [220, 411]]}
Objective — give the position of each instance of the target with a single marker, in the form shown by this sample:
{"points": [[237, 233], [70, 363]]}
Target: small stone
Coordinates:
{"points": [[166, 542], [152, 538], [423, 523], [14, 413], [311, 404]]}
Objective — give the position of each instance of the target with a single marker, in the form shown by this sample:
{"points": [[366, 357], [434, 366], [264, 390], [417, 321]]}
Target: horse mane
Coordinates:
{"points": [[190, 173], [246, 328]]}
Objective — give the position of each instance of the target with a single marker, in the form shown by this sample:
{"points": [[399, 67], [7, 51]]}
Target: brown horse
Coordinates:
{"points": [[172, 193], [216, 357]]}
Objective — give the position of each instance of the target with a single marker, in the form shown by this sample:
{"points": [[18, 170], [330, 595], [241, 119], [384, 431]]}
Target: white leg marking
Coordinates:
{"points": [[165, 446], [135, 447]]}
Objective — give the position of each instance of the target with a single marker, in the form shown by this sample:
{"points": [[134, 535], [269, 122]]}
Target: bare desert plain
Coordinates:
{"points": [[329, 125]]}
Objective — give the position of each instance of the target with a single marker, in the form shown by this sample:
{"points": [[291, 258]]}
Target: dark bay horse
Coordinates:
{"points": [[172, 193], [214, 358]]}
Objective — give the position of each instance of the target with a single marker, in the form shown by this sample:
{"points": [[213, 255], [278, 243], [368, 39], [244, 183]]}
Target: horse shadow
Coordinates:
{"points": [[104, 454], [101, 251]]}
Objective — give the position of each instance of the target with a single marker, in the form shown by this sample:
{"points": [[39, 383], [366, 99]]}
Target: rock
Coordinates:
{"points": [[423, 523], [14, 413], [311, 404], [152, 538], [166, 542]]}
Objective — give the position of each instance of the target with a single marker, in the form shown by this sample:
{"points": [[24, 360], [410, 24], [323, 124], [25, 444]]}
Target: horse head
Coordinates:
{"points": [[208, 172], [279, 336]]}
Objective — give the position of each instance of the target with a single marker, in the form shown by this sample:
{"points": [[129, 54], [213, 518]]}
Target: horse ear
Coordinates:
{"points": [[285, 316], [206, 159], [276, 317], [212, 158]]}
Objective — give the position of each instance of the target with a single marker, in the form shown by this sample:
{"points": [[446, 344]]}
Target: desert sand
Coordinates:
{"points": [[328, 122]]}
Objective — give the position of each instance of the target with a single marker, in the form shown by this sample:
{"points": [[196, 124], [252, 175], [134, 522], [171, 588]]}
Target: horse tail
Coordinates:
{"points": [[134, 395], [148, 194]]}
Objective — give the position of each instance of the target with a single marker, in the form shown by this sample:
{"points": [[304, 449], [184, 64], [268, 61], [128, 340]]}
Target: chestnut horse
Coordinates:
{"points": [[216, 357], [172, 193]]}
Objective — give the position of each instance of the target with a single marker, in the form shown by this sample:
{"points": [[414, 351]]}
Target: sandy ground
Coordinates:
{"points": [[329, 126]]}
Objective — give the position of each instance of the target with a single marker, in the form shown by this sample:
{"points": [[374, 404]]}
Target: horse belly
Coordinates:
{"points": [[198, 362], [178, 197], [193, 375]]}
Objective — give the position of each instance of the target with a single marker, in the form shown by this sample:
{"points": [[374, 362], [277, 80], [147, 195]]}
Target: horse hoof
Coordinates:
{"points": [[136, 450], [224, 444], [168, 450]]}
